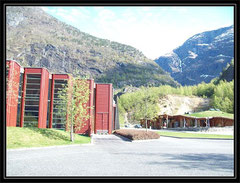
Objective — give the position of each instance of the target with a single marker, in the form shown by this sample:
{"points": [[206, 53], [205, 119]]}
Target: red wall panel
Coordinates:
{"points": [[103, 109], [12, 92], [42, 120]]}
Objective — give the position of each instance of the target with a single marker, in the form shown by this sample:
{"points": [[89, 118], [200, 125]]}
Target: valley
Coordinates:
{"points": [[191, 78]]}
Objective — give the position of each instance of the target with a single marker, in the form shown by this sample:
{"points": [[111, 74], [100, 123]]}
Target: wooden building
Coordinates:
{"points": [[182, 121]]}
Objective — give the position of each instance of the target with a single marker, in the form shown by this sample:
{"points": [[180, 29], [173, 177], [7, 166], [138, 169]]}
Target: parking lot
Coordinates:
{"points": [[110, 155]]}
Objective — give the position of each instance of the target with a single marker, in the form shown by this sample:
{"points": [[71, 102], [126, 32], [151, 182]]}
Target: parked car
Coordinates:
{"points": [[137, 126], [213, 109]]}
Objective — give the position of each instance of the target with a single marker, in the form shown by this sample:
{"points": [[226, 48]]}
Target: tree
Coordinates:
{"points": [[73, 104], [223, 97], [146, 107]]}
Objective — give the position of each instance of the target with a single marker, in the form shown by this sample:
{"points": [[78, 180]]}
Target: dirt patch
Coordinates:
{"points": [[176, 104], [137, 134]]}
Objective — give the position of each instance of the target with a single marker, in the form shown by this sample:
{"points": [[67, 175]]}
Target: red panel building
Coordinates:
{"points": [[12, 78], [103, 109], [34, 102]]}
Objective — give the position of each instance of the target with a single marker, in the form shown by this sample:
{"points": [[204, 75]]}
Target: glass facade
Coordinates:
{"points": [[31, 108], [49, 101], [58, 120]]}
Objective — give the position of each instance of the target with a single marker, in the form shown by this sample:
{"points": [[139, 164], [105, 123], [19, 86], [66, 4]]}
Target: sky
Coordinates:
{"points": [[154, 30]]}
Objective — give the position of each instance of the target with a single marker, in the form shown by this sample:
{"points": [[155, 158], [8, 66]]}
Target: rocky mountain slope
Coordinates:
{"points": [[37, 39], [228, 73], [201, 58], [177, 104]]}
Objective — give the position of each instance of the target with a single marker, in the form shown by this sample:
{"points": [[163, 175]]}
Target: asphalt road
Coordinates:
{"points": [[109, 155]]}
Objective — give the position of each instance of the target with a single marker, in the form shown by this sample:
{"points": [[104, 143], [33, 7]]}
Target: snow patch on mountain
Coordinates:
{"points": [[201, 57], [192, 54], [206, 75], [203, 44]]}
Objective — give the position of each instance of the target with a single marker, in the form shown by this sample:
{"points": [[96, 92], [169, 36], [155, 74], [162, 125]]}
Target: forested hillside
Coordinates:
{"points": [[145, 101]]}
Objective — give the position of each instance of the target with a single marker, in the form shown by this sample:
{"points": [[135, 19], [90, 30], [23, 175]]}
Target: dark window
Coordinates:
{"points": [[58, 120], [19, 99], [32, 100], [49, 99]]}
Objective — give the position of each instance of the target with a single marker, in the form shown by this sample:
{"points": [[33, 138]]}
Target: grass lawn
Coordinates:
{"points": [[211, 114], [36, 137], [194, 135]]}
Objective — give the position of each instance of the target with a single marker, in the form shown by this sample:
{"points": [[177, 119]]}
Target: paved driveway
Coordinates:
{"points": [[112, 156]]}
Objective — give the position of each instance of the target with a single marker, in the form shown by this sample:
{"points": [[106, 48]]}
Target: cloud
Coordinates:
{"points": [[44, 8], [145, 8], [153, 30], [98, 7], [79, 13], [106, 14]]}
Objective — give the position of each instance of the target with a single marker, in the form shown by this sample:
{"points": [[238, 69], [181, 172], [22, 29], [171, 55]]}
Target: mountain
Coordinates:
{"points": [[227, 74], [36, 39], [201, 58]]}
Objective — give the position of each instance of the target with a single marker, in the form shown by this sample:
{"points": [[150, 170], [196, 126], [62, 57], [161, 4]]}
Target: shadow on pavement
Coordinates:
{"points": [[204, 162], [123, 138]]}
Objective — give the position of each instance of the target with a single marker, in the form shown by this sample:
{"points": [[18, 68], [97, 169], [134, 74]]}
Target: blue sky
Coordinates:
{"points": [[154, 30]]}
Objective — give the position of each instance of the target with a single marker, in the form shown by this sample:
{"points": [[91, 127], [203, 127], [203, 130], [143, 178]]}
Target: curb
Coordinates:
{"points": [[129, 140], [91, 139], [47, 147], [196, 138]]}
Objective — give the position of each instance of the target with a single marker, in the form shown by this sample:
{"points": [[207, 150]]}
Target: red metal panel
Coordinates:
{"points": [[12, 92], [102, 121], [23, 98], [103, 109], [102, 98], [110, 109], [43, 101], [105, 121], [98, 119], [33, 70], [91, 87], [60, 76]]}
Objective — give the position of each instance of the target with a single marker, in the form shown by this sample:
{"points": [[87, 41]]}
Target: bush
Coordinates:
{"points": [[137, 134]]}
